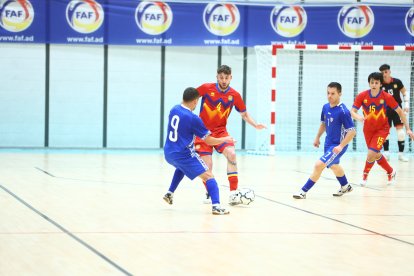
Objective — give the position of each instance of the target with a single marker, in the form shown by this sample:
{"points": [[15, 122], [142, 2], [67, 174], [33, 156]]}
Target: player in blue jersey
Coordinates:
{"points": [[179, 151], [340, 130]]}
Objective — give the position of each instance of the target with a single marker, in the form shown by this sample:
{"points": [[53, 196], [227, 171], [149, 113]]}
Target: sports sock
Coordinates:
{"points": [[213, 191], [342, 180], [401, 146], [384, 164], [368, 166], [178, 176], [308, 185], [233, 180], [386, 145]]}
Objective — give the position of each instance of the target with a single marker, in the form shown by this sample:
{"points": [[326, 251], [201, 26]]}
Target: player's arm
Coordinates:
{"points": [[355, 115], [212, 141], [406, 99], [405, 122], [321, 130], [246, 117]]}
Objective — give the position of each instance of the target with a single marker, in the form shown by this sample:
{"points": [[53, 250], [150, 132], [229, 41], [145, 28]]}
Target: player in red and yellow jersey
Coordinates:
{"points": [[217, 102], [374, 103]]}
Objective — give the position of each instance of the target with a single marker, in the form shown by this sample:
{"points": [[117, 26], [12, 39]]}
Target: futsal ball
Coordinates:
{"points": [[247, 196]]}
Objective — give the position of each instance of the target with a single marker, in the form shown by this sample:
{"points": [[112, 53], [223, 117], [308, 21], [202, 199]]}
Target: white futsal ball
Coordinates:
{"points": [[247, 196]]}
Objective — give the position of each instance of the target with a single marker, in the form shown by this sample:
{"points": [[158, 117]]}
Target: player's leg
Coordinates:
{"points": [[229, 151], [205, 151], [371, 155], [401, 141], [343, 181], [178, 176], [313, 178], [379, 137], [213, 190], [327, 160]]}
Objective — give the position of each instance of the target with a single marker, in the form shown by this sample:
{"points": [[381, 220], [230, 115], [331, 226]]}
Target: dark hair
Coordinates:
{"points": [[376, 76], [384, 67], [190, 94], [224, 69], [336, 85]]}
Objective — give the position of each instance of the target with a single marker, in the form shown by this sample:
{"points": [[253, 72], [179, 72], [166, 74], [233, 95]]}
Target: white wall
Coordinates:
{"points": [[22, 95]]}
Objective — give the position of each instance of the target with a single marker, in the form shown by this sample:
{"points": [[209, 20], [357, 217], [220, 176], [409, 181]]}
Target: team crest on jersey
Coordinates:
{"points": [[395, 86], [230, 98], [365, 101], [197, 147], [212, 94], [381, 101]]}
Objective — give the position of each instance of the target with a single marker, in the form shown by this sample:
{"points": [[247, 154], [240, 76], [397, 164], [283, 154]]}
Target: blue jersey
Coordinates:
{"points": [[183, 126], [338, 122]]}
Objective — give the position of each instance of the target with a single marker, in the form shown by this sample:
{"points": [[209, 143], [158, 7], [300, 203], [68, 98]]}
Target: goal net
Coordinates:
{"points": [[290, 102]]}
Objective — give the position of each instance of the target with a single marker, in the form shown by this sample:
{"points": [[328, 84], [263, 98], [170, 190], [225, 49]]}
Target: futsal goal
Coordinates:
{"points": [[291, 88]]}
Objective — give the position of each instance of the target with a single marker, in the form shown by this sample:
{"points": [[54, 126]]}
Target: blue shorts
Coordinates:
{"points": [[330, 158], [191, 165]]}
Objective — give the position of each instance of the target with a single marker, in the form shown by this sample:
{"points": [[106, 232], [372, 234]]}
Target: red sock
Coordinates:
{"points": [[384, 164], [368, 166], [233, 180]]}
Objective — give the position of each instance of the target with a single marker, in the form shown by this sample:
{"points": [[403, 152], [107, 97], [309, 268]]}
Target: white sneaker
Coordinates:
{"points": [[207, 199], [234, 198], [217, 210], [300, 195], [386, 155], [402, 157], [391, 177], [364, 179], [346, 189]]}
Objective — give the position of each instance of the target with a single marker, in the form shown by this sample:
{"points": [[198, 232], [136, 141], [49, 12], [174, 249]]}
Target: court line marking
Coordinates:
{"points": [[67, 232], [336, 220]]}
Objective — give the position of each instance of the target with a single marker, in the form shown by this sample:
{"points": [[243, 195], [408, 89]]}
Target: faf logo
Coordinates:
{"points": [[16, 15], [409, 21], [288, 21], [355, 21], [84, 16], [153, 18], [221, 19]]}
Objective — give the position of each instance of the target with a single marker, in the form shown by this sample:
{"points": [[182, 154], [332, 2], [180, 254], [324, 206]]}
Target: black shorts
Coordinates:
{"points": [[393, 118]]}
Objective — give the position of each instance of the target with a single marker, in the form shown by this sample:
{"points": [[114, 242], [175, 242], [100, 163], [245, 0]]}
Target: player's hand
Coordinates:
{"points": [[229, 139], [406, 109], [337, 149], [260, 126], [316, 143]]}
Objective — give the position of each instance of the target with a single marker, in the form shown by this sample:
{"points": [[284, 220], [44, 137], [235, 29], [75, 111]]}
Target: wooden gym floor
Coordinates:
{"points": [[102, 213]]}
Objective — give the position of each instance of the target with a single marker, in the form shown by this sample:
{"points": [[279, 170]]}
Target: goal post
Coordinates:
{"points": [[292, 81]]}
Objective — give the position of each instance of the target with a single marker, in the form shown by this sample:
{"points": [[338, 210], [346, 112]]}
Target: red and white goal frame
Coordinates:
{"points": [[276, 47]]}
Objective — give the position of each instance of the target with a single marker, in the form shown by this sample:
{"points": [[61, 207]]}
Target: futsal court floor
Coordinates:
{"points": [[101, 212]]}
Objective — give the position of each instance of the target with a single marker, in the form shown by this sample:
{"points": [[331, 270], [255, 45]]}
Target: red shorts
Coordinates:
{"points": [[375, 138], [202, 148]]}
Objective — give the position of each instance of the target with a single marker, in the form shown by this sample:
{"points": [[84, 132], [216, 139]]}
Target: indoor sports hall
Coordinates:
{"points": [[86, 87]]}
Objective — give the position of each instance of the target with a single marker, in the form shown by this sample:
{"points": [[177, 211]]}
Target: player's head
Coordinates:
{"points": [[375, 80], [334, 92], [224, 77], [386, 71], [190, 97]]}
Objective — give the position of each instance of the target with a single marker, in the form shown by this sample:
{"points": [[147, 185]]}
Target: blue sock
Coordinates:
{"points": [[178, 176], [213, 191], [342, 180], [309, 184]]}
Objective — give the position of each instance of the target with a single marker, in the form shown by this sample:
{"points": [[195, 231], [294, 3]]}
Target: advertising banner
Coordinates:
{"points": [[135, 22]]}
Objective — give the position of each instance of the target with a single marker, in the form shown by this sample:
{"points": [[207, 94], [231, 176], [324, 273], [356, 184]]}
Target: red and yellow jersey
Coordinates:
{"points": [[216, 105], [374, 108]]}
